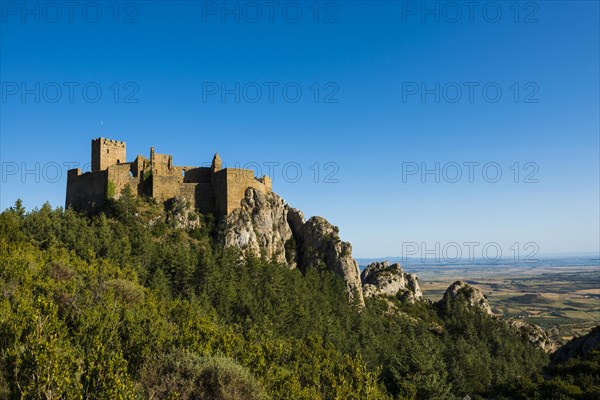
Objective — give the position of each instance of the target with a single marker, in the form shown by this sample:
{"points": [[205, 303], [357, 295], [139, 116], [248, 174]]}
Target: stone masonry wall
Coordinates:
{"points": [[205, 198], [120, 176], [212, 190], [198, 174], [85, 190], [165, 187], [162, 163], [236, 182], [107, 152]]}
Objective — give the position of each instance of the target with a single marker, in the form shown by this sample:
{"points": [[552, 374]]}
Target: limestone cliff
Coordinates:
{"points": [[380, 278], [534, 333], [260, 226], [472, 296], [265, 225], [319, 245]]}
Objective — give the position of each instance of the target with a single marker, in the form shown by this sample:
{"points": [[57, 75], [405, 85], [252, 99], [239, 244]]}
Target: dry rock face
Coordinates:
{"points": [[260, 226], [182, 214], [319, 245], [265, 225], [381, 278], [535, 334], [473, 296]]}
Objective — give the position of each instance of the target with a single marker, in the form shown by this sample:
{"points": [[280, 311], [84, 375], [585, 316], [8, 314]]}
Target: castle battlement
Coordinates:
{"points": [[108, 141], [211, 189]]}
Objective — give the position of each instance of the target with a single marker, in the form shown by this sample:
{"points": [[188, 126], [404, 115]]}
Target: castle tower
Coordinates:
{"points": [[217, 164], [107, 152]]}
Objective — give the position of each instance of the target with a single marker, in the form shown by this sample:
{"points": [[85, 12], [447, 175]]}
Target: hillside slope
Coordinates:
{"points": [[139, 302]]}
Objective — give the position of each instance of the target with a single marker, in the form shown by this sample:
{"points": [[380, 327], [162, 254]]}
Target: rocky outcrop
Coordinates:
{"points": [[381, 278], [319, 245], [260, 226], [579, 347], [534, 333], [181, 214], [266, 226], [473, 297]]}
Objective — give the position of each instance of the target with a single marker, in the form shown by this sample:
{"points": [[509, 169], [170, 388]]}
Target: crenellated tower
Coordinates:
{"points": [[107, 152]]}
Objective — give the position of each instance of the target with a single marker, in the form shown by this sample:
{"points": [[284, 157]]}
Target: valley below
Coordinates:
{"points": [[560, 295]]}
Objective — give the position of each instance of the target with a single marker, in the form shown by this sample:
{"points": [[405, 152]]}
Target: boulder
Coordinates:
{"points": [[381, 278], [534, 333], [472, 296]]}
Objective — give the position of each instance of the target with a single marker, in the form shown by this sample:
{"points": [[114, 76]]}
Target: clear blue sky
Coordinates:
{"points": [[369, 58]]}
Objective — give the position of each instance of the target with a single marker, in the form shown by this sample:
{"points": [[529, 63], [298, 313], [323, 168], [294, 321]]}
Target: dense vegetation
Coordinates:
{"points": [[576, 379], [123, 305]]}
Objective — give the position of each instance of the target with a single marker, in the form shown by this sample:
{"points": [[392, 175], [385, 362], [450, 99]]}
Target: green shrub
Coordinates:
{"points": [[111, 190], [184, 375]]}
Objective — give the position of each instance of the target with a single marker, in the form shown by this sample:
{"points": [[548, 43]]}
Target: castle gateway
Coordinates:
{"points": [[212, 189]]}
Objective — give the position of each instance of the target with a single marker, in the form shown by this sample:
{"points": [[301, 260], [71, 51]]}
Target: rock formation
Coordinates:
{"points": [[265, 225], [319, 244], [534, 333], [474, 297], [380, 278], [578, 347], [260, 226], [181, 214]]}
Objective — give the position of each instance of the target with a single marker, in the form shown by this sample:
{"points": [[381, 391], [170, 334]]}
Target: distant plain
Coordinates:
{"points": [[561, 295]]}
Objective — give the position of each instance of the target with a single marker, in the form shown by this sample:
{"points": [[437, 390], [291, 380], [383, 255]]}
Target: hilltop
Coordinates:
{"points": [[144, 297]]}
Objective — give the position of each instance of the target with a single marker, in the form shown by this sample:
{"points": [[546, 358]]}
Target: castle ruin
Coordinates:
{"points": [[211, 189]]}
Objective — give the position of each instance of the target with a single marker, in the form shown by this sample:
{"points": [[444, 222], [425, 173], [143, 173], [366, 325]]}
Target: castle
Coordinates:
{"points": [[211, 189]]}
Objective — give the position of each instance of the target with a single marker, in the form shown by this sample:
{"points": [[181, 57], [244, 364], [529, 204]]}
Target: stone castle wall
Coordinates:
{"points": [[198, 174], [84, 191], [107, 152], [205, 198], [212, 190], [118, 177], [165, 187], [231, 186]]}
